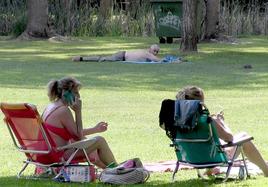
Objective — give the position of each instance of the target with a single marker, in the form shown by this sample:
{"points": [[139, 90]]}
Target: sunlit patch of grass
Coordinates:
{"points": [[128, 96]]}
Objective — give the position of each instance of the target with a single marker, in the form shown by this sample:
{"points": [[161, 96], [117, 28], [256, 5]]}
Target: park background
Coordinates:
{"points": [[128, 96]]}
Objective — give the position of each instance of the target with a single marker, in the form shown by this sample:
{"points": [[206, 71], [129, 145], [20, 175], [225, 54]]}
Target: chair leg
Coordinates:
{"points": [[228, 171], [244, 162], [71, 157], [175, 170], [230, 164], [86, 156], [23, 168]]}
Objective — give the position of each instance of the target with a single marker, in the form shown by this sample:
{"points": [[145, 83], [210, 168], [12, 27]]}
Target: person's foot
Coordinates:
{"points": [[212, 171], [101, 59], [77, 59]]}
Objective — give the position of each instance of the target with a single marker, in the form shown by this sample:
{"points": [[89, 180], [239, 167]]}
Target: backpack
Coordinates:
{"points": [[128, 172]]}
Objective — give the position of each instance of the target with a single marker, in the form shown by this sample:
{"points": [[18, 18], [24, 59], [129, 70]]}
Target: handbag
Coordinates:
{"points": [[128, 172]]}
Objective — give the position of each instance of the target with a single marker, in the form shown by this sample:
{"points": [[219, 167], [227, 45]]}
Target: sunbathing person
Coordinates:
{"points": [[64, 95], [143, 55], [224, 132]]}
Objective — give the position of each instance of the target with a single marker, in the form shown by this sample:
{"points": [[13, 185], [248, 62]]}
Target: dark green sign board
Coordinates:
{"points": [[168, 17]]}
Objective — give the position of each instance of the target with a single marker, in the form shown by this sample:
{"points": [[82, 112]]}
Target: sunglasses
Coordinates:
{"points": [[156, 51]]}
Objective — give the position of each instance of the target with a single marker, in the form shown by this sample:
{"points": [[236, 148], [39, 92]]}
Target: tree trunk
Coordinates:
{"points": [[104, 14], [189, 24], [211, 19], [67, 4], [105, 8], [133, 7], [37, 23]]}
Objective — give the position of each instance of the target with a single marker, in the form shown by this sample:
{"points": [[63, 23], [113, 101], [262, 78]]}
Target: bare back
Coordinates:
{"points": [[60, 116], [140, 56]]}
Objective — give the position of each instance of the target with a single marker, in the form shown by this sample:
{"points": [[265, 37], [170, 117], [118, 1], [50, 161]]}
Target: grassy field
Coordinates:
{"points": [[128, 96]]}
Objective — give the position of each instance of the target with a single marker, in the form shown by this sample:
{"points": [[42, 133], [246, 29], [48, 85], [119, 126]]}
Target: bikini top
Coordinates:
{"points": [[61, 132]]}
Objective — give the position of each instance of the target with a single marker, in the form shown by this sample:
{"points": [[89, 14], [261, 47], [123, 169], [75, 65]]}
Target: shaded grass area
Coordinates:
{"points": [[214, 62], [157, 179], [128, 96]]}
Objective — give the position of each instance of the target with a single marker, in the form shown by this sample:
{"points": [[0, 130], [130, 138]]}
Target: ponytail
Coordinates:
{"points": [[54, 90], [56, 87]]}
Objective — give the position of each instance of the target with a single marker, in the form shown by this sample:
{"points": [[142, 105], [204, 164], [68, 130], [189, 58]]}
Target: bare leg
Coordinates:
{"points": [[119, 56], [104, 153], [86, 58], [91, 58], [254, 155]]}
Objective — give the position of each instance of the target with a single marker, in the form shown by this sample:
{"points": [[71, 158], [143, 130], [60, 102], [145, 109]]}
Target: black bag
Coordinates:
{"points": [[166, 117]]}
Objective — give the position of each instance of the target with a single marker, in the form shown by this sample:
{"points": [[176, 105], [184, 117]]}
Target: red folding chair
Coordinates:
{"points": [[31, 137]]}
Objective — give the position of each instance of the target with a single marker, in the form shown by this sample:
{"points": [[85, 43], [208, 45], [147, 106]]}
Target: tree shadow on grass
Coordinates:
{"points": [[31, 74], [33, 64], [13, 181]]}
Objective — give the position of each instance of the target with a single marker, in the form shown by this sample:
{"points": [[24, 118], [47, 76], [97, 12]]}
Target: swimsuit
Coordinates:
{"points": [[61, 132]]}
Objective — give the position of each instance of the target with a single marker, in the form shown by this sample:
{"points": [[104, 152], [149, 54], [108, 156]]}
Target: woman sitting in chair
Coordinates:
{"points": [[225, 134], [64, 128]]}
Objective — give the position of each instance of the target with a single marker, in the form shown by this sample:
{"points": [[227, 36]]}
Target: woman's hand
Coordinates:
{"points": [[77, 105], [223, 130], [101, 127]]}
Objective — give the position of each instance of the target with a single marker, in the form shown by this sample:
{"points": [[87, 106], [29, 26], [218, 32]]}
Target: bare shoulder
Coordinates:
{"points": [[64, 109]]}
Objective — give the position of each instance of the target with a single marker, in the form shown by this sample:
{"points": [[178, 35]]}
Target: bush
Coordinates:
{"points": [[19, 26], [237, 19]]}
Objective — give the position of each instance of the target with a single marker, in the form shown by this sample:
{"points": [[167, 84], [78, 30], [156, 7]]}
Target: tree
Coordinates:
{"points": [[105, 8], [37, 20], [189, 26], [212, 12], [133, 8], [104, 14]]}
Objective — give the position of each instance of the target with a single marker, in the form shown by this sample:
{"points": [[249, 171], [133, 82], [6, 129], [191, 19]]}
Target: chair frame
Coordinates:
{"points": [[79, 145], [237, 144]]}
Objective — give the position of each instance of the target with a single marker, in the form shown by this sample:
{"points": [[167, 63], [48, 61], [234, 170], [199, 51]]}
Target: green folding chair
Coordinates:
{"points": [[200, 147]]}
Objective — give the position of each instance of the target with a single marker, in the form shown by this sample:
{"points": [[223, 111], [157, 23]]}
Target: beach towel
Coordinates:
{"points": [[166, 60]]}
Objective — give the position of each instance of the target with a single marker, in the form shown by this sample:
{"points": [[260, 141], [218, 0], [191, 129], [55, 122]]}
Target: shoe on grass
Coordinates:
{"points": [[77, 59]]}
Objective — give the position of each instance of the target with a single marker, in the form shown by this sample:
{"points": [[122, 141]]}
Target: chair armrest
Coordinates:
{"points": [[239, 141], [82, 144]]}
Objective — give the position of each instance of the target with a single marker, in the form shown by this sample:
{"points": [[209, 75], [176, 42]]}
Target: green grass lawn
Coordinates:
{"points": [[128, 96]]}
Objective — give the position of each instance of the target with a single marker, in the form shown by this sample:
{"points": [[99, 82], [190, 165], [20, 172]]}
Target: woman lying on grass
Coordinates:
{"points": [[224, 132]]}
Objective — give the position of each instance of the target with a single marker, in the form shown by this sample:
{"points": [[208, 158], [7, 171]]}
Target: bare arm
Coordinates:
{"points": [[67, 120], [100, 127], [223, 130], [152, 57], [76, 107]]}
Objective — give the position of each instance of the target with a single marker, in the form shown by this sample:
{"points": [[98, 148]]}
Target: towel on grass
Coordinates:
{"points": [[169, 166], [166, 60]]}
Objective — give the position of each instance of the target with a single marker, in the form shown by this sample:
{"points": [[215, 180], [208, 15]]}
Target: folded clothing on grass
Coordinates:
{"points": [[166, 60]]}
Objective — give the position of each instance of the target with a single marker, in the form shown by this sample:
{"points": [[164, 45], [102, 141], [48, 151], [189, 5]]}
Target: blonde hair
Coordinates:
{"points": [[55, 88], [190, 93]]}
